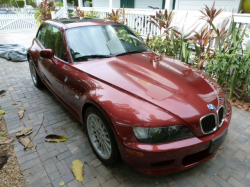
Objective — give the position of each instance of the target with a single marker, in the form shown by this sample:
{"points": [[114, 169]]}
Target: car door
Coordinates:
{"points": [[53, 70], [75, 85]]}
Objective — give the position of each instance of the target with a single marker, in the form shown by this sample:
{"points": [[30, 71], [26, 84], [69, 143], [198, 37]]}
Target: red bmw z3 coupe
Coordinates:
{"points": [[157, 113]]}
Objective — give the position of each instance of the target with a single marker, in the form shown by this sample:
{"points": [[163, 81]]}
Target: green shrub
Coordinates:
{"points": [[20, 4], [30, 2], [59, 4], [37, 12], [13, 2], [232, 72], [91, 14]]}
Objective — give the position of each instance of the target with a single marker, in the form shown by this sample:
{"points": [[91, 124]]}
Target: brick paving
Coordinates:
{"points": [[50, 163]]}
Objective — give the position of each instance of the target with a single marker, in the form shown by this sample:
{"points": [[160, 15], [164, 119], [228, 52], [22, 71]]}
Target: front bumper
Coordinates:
{"points": [[160, 159]]}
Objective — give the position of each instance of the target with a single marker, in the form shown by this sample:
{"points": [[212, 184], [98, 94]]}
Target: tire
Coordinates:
{"points": [[100, 136], [34, 75]]}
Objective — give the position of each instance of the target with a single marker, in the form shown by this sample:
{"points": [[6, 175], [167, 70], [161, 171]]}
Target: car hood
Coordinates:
{"points": [[168, 83]]}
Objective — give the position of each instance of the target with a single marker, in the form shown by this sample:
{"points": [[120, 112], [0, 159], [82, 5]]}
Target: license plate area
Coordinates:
{"points": [[217, 142]]}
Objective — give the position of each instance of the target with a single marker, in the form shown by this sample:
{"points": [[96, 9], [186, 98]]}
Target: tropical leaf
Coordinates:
{"points": [[55, 138]]}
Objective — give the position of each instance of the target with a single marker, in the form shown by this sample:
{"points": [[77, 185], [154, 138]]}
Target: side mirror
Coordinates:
{"points": [[47, 53]]}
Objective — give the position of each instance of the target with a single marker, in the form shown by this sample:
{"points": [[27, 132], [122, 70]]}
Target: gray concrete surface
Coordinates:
{"points": [[50, 163], [18, 37]]}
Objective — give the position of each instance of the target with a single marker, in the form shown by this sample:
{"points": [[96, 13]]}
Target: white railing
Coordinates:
{"points": [[60, 13], [12, 22], [137, 19], [243, 21]]}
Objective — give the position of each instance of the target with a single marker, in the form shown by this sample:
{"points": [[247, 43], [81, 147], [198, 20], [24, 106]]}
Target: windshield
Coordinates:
{"points": [[102, 41]]}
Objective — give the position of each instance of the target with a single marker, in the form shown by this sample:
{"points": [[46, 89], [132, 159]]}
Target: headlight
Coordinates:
{"points": [[162, 134]]}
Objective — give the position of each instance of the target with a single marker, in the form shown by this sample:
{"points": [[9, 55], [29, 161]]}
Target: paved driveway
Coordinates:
{"points": [[50, 163]]}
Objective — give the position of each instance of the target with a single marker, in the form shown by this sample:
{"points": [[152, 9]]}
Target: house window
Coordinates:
{"points": [[127, 3]]}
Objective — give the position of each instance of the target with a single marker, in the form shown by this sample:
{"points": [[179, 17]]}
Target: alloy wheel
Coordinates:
{"points": [[99, 136]]}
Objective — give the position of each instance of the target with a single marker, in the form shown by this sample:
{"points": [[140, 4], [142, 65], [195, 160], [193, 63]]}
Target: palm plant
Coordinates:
{"points": [[209, 15], [79, 12], [118, 16], [202, 48], [162, 20]]}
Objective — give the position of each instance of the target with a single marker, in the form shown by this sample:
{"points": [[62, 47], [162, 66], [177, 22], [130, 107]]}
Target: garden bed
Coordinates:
{"points": [[10, 174]]}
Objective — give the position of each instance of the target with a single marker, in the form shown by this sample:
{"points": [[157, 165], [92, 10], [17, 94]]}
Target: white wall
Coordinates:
{"points": [[116, 3], [143, 4], [101, 3], [227, 5]]}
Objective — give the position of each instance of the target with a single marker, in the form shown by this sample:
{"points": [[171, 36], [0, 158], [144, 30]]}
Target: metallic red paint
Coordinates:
{"points": [[144, 89]]}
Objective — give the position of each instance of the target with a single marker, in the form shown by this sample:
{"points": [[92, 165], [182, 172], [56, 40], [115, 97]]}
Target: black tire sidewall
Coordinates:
{"points": [[39, 82], [114, 158]]}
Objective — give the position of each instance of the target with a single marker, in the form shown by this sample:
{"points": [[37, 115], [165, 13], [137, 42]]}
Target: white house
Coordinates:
{"points": [[227, 5]]}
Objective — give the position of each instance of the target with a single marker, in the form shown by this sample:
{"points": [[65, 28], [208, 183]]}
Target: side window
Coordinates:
{"points": [[41, 34], [54, 40]]}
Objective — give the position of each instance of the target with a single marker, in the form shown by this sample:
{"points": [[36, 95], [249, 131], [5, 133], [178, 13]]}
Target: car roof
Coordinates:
{"points": [[78, 22]]}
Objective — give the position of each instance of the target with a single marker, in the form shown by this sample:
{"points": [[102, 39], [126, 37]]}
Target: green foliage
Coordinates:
{"points": [[37, 13], [91, 14], [30, 2], [20, 4], [232, 66], [3, 2], [170, 46], [248, 92], [160, 45], [59, 4], [231, 71]]}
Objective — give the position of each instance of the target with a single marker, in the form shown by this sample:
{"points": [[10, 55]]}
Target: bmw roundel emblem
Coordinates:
{"points": [[211, 107]]}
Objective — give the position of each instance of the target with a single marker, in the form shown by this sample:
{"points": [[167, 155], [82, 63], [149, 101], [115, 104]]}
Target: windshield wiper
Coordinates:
{"points": [[129, 52], [93, 56]]}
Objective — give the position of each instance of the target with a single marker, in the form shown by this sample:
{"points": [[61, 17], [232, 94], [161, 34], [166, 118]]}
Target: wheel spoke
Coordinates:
{"points": [[106, 139], [94, 123], [108, 147], [108, 144], [102, 147], [105, 148]]}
